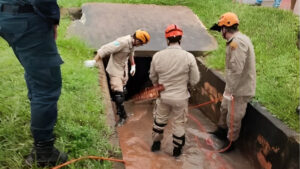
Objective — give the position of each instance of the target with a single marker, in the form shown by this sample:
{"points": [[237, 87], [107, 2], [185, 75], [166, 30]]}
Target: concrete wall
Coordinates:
{"points": [[265, 139]]}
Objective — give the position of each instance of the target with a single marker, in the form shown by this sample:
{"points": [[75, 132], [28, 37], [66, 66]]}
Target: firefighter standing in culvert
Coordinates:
{"points": [[173, 68], [240, 77]]}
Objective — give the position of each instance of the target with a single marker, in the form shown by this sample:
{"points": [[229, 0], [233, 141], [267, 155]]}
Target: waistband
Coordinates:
{"points": [[12, 8]]}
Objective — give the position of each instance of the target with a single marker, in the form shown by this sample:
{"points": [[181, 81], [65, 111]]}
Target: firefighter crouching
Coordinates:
{"points": [[119, 51]]}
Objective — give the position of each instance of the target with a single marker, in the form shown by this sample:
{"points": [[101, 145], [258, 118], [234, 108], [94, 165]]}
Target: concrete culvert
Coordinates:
{"points": [[135, 136], [264, 141], [266, 144]]}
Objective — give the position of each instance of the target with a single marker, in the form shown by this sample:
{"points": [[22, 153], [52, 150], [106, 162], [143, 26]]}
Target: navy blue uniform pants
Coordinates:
{"points": [[32, 40]]}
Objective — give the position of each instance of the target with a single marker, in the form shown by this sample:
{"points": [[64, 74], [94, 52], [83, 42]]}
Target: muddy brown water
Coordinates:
{"points": [[135, 142]]}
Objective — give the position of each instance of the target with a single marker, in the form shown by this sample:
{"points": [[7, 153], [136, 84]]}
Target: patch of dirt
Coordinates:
{"points": [[73, 13]]}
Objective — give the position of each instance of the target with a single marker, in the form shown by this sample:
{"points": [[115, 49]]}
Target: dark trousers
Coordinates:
{"points": [[32, 40]]}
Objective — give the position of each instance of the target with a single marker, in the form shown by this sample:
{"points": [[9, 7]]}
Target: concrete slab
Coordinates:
{"points": [[104, 22]]}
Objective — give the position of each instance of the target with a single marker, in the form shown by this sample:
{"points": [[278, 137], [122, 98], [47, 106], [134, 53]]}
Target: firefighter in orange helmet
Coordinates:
{"points": [[240, 77], [173, 68], [119, 51]]}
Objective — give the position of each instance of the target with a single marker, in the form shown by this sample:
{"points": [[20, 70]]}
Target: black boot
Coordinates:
{"points": [[220, 133], [155, 146], [45, 154], [119, 99], [122, 116], [177, 151], [178, 144]]}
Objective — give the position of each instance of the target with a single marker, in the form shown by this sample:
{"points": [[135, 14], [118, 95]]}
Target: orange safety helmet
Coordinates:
{"points": [[142, 36], [227, 19], [173, 31]]}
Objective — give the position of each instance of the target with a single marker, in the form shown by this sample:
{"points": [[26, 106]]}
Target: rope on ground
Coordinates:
{"points": [[206, 103], [203, 129], [87, 157]]}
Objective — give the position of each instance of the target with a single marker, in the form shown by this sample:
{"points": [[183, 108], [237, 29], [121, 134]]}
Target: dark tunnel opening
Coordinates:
{"points": [[140, 80]]}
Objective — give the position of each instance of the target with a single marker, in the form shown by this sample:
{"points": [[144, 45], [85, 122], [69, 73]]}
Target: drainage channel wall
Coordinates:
{"points": [[264, 139], [267, 141], [109, 109]]}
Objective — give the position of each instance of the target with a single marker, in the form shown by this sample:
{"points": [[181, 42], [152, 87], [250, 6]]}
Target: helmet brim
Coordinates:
{"points": [[216, 27]]}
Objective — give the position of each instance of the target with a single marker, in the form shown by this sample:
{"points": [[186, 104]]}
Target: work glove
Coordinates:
{"points": [[132, 70], [227, 96], [90, 63]]}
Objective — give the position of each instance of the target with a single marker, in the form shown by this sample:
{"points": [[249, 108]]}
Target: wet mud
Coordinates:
{"points": [[135, 138]]}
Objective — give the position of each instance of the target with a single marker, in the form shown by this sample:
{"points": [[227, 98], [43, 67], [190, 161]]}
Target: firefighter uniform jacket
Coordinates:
{"points": [[174, 68], [119, 50], [240, 66]]}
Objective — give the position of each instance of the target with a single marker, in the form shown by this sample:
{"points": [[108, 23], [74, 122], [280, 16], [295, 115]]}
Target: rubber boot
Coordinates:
{"points": [[177, 145], [177, 151], [155, 146], [45, 154], [122, 115], [119, 99], [220, 133]]}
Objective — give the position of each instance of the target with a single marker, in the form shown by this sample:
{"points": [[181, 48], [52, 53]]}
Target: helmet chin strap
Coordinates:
{"points": [[223, 30]]}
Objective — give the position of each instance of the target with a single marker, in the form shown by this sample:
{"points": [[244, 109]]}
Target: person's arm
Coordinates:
{"points": [[108, 49], [48, 10], [235, 66], [55, 31], [194, 74], [105, 50], [153, 74], [132, 63]]}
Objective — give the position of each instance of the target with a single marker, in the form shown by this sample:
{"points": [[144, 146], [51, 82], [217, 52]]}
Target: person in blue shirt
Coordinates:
{"points": [[276, 3], [30, 28]]}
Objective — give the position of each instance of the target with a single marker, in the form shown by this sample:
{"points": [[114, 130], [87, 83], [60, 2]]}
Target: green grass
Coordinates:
{"points": [[274, 35], [81, 129]]}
